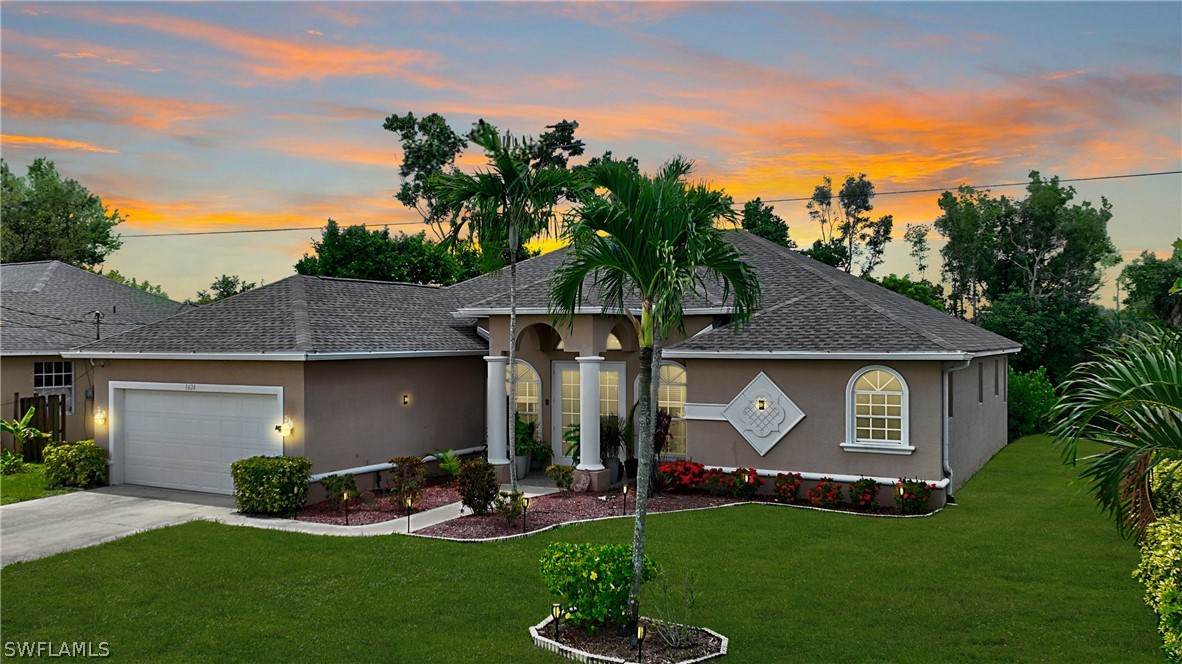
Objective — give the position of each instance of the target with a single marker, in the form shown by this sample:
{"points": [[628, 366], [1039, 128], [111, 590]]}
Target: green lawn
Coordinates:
{"points": [[27, 485], [1024, 569]]}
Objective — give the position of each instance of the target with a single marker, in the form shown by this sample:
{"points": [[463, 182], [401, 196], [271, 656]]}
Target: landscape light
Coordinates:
{"points": [[409, 501], [556, 614], [524, 508], [625, 500], [640, 634]]}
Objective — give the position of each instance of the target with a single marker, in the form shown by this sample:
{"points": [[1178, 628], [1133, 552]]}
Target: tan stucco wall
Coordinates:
{"points": [[355, 417], [977, 429], [16, 375], [818, 389]]}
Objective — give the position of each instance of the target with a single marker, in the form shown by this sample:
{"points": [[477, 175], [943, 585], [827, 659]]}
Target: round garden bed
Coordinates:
{"points": [[698, 644]]}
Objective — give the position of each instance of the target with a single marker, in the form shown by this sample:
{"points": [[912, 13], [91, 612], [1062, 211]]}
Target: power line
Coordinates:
{"points": [[770, 200]]}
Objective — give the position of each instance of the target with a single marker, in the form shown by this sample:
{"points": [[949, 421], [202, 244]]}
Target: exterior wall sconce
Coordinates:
{"points": [[406, 400], [100, 416], [761, 404], [286, 428]]}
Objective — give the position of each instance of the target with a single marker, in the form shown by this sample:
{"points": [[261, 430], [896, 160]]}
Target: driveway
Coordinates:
{"points": [[38, 528]]}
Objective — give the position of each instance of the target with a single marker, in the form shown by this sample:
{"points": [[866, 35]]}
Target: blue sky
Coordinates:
{"points": [[217, 116]]}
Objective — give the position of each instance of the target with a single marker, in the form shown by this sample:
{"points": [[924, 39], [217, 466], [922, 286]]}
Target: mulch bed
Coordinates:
{"points": [[656, 651], [384, 508]]}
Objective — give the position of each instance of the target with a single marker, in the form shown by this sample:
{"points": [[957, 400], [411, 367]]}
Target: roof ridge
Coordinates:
{"points": [[45, 276], [930, 336], [299, 308], [370, 281]]}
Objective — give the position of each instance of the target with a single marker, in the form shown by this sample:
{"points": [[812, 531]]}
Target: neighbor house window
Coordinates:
{"points": [[876, 412], [529, 386], [55, 378]]}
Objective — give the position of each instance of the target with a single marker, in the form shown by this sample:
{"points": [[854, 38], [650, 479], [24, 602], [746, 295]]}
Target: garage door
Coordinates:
{"points": [[187, 440]]}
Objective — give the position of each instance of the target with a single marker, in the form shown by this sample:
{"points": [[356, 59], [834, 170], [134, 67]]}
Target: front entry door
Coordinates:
{"points": [[565, 410]]}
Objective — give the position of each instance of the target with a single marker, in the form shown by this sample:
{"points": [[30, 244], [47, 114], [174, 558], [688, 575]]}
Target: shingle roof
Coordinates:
{"points": [[308, 314], [45, 307]]}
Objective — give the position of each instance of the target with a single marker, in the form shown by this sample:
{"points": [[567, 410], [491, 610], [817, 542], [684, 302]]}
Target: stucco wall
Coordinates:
{"points": [[354, 413], [977, 428], [818, 389], [16, 375]]}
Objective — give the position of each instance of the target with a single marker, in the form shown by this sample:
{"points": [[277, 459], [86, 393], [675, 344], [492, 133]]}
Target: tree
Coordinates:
{"points": [[223, 287], [655, 238], [429, 148], [509, 202], [849, 223], [762, 220], [145, 285], [1054, 332], [1129, 399], [47, 217], [969, 224], [359, 253], [1147, 283], [832, 253], [922, 291], [917, 236]]}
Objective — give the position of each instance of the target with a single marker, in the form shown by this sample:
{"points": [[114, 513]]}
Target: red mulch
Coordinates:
{"points": [[610, 644], [384, 507]]}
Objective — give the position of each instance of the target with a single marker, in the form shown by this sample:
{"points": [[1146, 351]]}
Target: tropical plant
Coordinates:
{"points": [[449, 462], [562, 475], [653, 238], [509, 202], [571, 443], [338, 487], [1129, 398], [21, 431], [611, 436], [478, 485], [11, 462]]}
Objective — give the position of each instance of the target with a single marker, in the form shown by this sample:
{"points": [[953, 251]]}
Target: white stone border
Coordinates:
{"points": [[537, 632]]}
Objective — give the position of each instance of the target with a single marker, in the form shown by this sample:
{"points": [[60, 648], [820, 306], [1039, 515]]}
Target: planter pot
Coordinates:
{"points": [[536, 464], [630, 468], [613, 465], [522, 463]]}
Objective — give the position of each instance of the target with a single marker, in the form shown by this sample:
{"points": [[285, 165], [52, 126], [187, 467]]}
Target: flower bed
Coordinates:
{"points": [[608, 646], [384, 508]]}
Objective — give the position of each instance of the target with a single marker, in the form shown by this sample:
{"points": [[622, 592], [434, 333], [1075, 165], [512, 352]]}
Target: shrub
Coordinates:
{"points": [[741, 482], [1165, 488], [787, 486], [746, 482], [672, 605], [82, 464], [448, 462], [864, 494], [271, 485], [11, 462], [509, 505], [1031, 397], [1161, 572], [682, 476], [478, 485], [826, 493], [336, 486], [592, 581], [563, 476], [407, 478], [912, 496]]}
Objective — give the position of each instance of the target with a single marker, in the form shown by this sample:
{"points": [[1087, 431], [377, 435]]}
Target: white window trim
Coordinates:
{"points": [[685, 406], [66, 392], [852, 444], [541, 395]]}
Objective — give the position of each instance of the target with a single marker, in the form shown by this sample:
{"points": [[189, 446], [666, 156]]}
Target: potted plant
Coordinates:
{"points": [[539, 455], [524, 444], [611, 439]]}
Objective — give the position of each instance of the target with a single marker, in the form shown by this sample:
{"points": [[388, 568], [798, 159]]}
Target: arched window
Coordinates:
{"points": [[529, 387], [877, 412], [613, 342], [671, 399]]}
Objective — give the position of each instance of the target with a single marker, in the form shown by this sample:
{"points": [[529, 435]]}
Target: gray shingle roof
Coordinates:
{"points": [[45, 307], [308, 314]]}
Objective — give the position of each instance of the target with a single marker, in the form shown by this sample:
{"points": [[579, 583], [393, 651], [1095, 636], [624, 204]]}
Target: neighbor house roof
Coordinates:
{"points": [[306, 318], [46, 307], [808, 309]]}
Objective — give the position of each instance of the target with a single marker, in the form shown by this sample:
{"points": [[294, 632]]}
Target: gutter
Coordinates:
{"points": [[944, 417], [379, 467], [272, 357]]}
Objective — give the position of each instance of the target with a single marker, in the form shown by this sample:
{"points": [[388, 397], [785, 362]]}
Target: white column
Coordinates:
{"points": [[497, 410], [589, 413]]}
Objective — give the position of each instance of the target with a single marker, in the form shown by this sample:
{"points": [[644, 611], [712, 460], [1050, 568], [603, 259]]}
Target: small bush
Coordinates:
{"points": [[1031, 397], [1165, 488], [864, 494], [478, 485], [11, 462], [509, 505], [912, 496], [337, 486], [741, 482], [746, 482], [592, 581], [682, 476], [672, 605], [407, 479], [271, 485], [1161, 572], [82, 464], [716, 482], [826, 493], [787, 486], [448, 462], [563, 476]]}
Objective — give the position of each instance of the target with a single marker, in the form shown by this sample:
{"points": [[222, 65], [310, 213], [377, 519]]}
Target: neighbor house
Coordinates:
{"points": [[834, 376], [47, 307]]}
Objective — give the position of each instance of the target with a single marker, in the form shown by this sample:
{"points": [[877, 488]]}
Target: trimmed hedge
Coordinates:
{"points": [[1161, 572], [271, 485], [81, 464]]}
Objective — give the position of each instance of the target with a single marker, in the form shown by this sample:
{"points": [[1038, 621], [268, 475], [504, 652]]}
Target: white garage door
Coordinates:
{"points": [[187, 440]]}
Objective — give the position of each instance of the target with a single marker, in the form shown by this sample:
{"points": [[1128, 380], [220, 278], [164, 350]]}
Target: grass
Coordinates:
{"points": [[1024, 569], [27, 485]]}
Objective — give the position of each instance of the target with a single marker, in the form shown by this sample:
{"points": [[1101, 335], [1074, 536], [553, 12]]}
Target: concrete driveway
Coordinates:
{"points": [[38, 528]]}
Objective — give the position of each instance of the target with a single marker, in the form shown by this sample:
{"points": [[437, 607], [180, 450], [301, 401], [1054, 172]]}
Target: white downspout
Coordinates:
{"points": [[944, 418]]}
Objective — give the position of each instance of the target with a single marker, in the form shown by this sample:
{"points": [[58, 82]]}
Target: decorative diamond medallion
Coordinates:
{"points": [[762, 413]]}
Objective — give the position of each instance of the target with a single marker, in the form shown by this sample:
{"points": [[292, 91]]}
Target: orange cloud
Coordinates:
{"points": [[45, 142], [122, 109]]}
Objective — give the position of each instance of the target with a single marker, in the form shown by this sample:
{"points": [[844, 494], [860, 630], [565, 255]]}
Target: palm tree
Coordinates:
{"points": [[1129, 398], [652, 239], [507, 204]]}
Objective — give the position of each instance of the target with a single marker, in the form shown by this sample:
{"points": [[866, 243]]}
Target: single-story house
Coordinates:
{"points": [[47, 307], [834, 376]]}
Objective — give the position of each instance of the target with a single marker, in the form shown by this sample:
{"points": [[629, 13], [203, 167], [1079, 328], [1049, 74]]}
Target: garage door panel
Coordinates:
{"points": [[187, 440]]}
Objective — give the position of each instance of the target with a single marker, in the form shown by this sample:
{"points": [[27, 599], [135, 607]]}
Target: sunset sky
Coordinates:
{"points": [[220, 116]]}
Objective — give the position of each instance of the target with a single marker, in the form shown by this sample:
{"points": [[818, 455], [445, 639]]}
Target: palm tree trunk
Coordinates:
{"points": [[512, 405], [643, 470]]}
